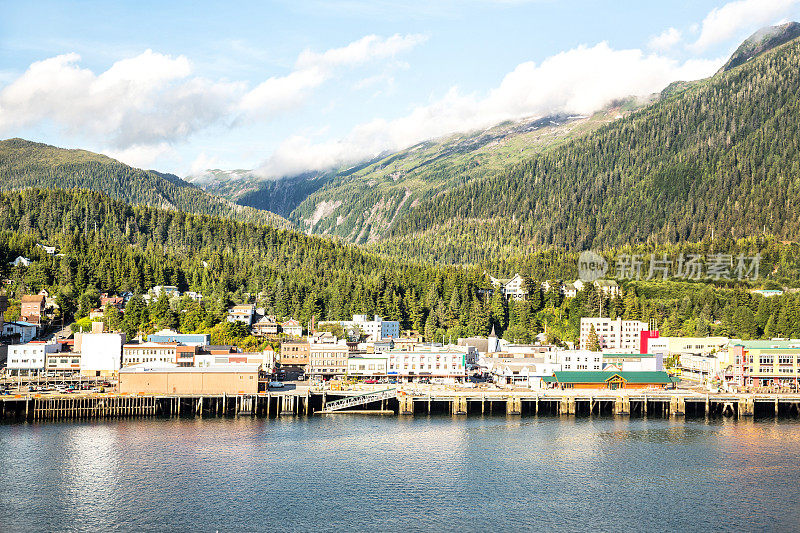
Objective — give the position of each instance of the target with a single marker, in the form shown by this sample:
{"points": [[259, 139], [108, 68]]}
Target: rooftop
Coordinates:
{"points": [[767, 344], [172, 368], [602, 376]]}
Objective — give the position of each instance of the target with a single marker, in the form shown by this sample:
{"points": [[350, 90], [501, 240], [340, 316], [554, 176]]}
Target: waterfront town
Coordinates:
{"points": [[612, 354]]}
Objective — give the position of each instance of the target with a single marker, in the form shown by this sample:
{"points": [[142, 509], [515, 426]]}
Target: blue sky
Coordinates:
{"points": [[288, 86]]}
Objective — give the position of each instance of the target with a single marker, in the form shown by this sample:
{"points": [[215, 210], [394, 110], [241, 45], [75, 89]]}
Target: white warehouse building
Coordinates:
{"points": [[29, 358], [101, 353]]}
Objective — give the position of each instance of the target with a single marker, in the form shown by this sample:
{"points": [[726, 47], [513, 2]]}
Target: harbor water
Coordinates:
{"points": [[373, 473]]}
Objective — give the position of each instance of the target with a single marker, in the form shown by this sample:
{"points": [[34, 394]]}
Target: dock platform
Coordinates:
{"points": [[40, 407]]}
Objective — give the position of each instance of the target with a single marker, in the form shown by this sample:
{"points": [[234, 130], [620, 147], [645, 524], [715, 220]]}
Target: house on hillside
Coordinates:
{"points": [[32, 308], [292, 328], [169, 290], [266, 326], [242, 313], [24, 261], [513, 289]]}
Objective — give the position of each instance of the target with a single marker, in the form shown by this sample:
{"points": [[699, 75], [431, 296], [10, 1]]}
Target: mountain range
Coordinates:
{"points": [[25, 164], [715, 157]]}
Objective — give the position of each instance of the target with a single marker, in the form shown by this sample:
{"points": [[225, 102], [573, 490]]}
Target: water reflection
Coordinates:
{"points": [[386, 473]]}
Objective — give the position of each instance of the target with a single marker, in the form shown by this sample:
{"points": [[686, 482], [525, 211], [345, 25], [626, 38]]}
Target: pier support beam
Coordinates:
{"points": [[622, 405], [567, 406], [406, 405], [459, 406], [677, 406], [513, 406], [747, 407]]}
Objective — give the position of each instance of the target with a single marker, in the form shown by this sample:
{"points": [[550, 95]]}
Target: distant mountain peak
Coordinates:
{"points": [[762, 41]]}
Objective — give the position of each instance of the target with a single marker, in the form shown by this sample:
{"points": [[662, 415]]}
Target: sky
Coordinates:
{"points": [[289, 86]]}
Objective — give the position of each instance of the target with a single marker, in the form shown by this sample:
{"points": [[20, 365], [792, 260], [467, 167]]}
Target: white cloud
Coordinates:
{"points": [[313, 69], [358, 52], [727, 21], [142, 156], [665, 40], [580, 80], [144, 100], [141, 103], [281, 93], [202, 163]]}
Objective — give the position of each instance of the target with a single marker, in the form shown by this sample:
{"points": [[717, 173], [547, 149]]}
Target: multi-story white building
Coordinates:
{"points": [[149, 352], [29, 358], [242, 313], [616, 335], [579, 360], [101, 353], [367, 365], [513, 288], [702, 368], [444, 366], [375, 330]]}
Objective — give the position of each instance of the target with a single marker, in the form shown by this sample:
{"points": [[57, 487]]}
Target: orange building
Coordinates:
{"points": [[32, 308], [294, 353], [239, 378]]}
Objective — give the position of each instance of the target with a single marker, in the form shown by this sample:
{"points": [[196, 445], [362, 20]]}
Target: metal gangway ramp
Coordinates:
{"points": [[360, 399]]}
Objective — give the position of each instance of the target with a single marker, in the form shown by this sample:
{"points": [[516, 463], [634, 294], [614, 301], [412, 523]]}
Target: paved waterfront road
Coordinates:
{"points": [[360, 473]]}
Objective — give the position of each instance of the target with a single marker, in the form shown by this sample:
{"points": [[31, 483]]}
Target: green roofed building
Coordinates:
{"points": [[612, 380]]}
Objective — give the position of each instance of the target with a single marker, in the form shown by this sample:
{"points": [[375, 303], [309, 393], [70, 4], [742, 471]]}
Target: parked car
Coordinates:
{"points": [[371, 381], [275, 385]]}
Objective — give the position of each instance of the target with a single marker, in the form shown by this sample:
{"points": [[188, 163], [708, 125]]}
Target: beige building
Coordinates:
{"points": [[327, 356], [688, 345], [367, 365], [149, 352], [32, 308], [294, 353], [764, 363], [63, 362], [171, 379]]}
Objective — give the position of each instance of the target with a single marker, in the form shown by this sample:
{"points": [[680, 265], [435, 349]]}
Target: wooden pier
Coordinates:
{"points": [[41, 407]]}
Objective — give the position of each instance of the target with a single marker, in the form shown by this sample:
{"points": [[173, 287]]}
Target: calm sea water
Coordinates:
{"points": [[351, 473]]}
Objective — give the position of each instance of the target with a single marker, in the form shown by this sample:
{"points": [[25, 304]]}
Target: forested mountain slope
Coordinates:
{"points": [[359, 202], [762, 41], [104, 245], [721, 157], [25, 164]]}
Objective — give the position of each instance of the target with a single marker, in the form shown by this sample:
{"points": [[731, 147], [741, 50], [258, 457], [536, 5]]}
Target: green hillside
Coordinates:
{"points": [[720, 157], [105, 245], [25, 164], [359, 203]]}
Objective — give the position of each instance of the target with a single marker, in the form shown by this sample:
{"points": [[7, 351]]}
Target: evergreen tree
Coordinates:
{"points": [[592, 341]]}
